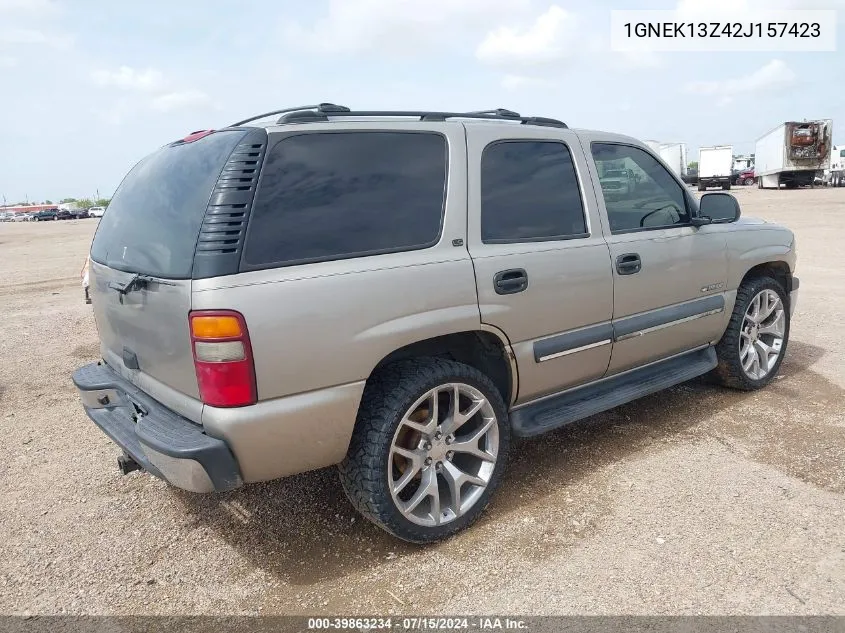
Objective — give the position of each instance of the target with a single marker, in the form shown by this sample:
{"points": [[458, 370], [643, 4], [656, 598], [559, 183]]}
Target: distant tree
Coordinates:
{"points": [[84, 203], [48, 202], [693, 165], [66, 200], [102, 202]]}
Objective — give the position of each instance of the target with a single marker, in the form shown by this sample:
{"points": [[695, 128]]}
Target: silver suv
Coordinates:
{"points": [[400, 293]]}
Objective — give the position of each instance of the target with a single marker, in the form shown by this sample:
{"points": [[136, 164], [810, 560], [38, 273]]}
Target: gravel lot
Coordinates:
{"points": [[696, 501]]}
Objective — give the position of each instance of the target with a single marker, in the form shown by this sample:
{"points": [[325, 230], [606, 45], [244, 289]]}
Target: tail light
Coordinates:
{"points": [[223, 358]]}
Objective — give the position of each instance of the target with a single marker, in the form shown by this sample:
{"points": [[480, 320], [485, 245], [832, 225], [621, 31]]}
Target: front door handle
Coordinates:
{"points": [[508, 282], [629, 264]]}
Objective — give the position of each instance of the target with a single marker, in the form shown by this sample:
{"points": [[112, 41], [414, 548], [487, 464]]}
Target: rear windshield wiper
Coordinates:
{"points": [[137, 282]]}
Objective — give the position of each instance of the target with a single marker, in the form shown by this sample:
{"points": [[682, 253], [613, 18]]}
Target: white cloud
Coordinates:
{"points": [[774, 76], [550, 38], [691, 9], [158, 93], [7, 61], [399, 26], [20, 37], [639, 59], [41, 8], [126, 78], [179, 100], [519, 82]]}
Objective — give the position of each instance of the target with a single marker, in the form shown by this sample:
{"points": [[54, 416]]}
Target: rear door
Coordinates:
{"points": [[541, 263], [142, 260]]}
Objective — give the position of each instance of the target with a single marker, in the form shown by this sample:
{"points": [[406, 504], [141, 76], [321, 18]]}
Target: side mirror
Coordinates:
{"points": [[718, 208]]}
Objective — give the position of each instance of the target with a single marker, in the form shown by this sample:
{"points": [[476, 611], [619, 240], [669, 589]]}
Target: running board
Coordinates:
{"points": [[557, 411]]}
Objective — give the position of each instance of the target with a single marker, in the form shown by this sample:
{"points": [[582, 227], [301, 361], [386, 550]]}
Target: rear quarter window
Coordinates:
{"points": [[335, 195]]}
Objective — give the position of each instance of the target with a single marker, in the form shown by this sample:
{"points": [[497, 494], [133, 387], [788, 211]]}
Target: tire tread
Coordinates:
{"points": [[729, 371], [363, 473]]}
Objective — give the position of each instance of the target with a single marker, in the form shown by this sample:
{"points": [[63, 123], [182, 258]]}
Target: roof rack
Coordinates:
{"points": [[322, 112], [320, 107]]}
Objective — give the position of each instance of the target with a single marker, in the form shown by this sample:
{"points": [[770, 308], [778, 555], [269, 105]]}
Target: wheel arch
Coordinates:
{"points": [[779, 270], [486, 349]]}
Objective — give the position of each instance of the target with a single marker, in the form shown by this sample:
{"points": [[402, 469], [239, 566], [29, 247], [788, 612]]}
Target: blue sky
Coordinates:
{"points": [[89, 87]]}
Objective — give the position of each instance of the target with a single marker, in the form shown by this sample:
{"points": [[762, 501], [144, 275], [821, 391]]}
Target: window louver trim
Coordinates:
{"points": [[221, 236]]}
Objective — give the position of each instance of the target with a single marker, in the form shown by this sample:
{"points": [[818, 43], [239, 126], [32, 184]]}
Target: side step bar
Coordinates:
{"points": [[558, 411]]}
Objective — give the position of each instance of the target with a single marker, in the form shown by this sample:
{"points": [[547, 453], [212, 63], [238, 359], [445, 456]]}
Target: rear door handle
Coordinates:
{"points": [[508, 282], [628, 264]]}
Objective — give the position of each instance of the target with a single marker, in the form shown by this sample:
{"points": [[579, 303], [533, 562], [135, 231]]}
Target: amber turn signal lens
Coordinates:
{"points": [[204, 327]]}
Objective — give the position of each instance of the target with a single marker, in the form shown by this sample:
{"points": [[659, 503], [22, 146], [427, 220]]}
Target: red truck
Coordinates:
{"points": [[745, 177]]}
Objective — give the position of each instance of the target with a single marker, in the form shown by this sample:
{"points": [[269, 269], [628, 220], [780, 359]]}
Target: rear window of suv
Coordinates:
{"points": [[334, 195], [155, 216]]}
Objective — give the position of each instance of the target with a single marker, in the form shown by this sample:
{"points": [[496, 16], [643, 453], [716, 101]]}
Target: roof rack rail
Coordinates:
{"points": [[322, 112], [320, 107], [503, 112]]}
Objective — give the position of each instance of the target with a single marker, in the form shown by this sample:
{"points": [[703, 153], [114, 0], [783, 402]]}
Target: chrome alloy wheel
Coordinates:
{"points": [[443, 454], [761, 336]]}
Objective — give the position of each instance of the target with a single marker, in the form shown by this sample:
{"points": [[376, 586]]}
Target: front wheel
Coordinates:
{"points": [[752, 348], [429, 448]]}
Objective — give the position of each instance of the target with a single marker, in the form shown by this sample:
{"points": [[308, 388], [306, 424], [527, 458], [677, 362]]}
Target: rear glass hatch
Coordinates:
{"points": [[145, 248]]}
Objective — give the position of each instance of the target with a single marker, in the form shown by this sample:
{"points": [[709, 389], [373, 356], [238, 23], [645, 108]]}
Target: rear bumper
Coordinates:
{"points": [[162, 442]]}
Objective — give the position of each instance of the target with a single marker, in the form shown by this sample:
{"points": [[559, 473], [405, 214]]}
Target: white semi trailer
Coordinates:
{"points": [[675, 155], [714, 166], [794, 154], [654, 146], [836, 175]]}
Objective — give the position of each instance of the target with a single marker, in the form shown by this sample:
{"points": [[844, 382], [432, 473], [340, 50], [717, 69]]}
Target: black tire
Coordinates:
{"points": [[388, 395], [702, 187], [726, 186], [729, 371]]}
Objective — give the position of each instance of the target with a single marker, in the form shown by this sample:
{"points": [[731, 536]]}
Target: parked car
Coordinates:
{"points": [[617, 182], [65, 214], [6, 216], [745, 177], [446, 282], [22, 217], [96, 212], [46, 214], [80, 214]]}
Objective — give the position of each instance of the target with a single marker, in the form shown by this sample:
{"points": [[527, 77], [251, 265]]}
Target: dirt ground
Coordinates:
{"points": [[695, 501]]}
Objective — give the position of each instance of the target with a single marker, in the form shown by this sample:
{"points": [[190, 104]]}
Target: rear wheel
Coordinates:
{"points": [[753, 346], [749, 182], [429, 448], [726, 186]]}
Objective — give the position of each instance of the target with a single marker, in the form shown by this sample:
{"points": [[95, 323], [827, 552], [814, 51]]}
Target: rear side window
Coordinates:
{"points": [[345, 194], [529, 192], [155, 215]]}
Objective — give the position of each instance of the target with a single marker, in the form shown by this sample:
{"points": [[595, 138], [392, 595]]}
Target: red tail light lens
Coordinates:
{"points": [[222, 358]]}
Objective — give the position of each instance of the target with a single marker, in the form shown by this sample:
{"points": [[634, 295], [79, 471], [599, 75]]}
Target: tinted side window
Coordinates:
{"points": [[336, 195], [639, 192], [529, 191]]}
